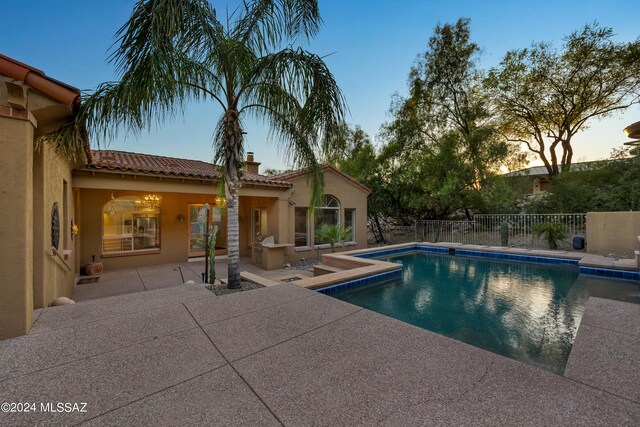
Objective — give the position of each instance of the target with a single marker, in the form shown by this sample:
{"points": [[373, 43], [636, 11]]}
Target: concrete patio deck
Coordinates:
{"points": [[148, 278], [285, 355]]}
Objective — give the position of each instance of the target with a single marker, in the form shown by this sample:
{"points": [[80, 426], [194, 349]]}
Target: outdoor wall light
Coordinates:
{"points": [[220, 202], [633, 130]]}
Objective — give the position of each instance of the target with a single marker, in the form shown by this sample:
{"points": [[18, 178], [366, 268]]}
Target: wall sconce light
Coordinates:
{"points": [[180, 218]]}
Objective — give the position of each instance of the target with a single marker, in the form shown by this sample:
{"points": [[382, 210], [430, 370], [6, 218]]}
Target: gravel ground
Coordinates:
{"points": [[304, 265], [223, 290]]}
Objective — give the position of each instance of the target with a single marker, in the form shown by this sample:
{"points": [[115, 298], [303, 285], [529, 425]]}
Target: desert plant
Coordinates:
{"points": [[553, 232], [332, 234], [504, 234], [213, 231]]}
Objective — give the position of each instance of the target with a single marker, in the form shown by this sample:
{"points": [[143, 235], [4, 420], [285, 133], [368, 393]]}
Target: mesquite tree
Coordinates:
{"points": [[544, 96]]}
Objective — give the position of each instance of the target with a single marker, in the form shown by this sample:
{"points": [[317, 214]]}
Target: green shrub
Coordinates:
{"points": [[553, 232], [332, 234]]}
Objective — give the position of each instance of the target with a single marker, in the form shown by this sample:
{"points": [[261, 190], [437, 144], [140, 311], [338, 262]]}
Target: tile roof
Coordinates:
{"points": [[151, 164], [36, 78], [294, 174]]}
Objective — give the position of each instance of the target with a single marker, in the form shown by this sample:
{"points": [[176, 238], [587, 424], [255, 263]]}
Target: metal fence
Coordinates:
{"points": [[485, 230], [394, 234]]}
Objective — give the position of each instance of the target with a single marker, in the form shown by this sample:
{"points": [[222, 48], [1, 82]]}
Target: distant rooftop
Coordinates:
{"points": [[541, 170]]}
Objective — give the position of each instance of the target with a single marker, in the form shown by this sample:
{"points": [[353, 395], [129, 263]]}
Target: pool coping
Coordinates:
{"points": [[360, 269]]}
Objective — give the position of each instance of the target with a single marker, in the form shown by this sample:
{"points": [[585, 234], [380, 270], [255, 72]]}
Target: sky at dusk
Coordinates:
{"points": [[372, 45]]}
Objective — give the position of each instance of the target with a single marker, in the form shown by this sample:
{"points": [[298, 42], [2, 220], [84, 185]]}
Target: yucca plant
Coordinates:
{"points": [[171, 52], [332, 234]]}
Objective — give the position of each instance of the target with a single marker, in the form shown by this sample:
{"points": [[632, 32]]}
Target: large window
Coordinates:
{"points": [[327, 213], [128, 224], [302, 227], [350, 221]]}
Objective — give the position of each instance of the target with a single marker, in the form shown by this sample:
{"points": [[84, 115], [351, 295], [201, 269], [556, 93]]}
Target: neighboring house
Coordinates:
{"points": [[540, 181], [130, 209]]}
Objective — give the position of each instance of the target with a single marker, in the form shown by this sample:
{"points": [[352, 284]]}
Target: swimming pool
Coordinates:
{"points": [[526, 311]]}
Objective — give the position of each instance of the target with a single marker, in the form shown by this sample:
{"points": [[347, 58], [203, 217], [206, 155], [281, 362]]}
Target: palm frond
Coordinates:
{"points": [[265, 24], [156, 26], [297, 94]]}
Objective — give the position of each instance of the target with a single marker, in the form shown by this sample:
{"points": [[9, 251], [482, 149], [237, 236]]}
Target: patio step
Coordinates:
{"points": [[82, 280], [250, 277], [320, 269]]}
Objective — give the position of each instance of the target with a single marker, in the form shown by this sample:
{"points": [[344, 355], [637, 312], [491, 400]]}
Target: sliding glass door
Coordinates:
{"points": [[197, 228]]}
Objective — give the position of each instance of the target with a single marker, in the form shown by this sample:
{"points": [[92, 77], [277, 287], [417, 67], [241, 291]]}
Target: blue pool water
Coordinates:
{"points": [[525, 311]]}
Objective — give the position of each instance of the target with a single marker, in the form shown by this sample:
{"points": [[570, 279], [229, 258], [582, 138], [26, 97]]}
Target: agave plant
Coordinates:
{"points": [[171, 52], [332, 234]]}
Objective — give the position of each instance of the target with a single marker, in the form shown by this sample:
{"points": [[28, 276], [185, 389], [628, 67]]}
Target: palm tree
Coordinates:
{"points": [[171, 52], [332, 234]]}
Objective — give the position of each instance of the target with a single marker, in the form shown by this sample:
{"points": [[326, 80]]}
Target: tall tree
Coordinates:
{"points": [[446, 121], [545, 96], [353, 153], [173, 51]]}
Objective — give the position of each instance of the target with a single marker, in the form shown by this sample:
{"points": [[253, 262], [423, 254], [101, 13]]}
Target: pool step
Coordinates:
{"points": [[320, 269]]}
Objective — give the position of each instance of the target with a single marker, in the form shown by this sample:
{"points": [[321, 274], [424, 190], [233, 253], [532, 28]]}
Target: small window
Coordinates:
{"points": [[258, 223], [350, 221], [302, 227], [130, 225]]}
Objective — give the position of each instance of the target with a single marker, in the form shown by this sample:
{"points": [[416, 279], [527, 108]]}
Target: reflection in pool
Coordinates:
{"points": [[528, 312]]}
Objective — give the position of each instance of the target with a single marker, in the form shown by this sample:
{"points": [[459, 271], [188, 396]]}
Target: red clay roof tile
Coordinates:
{"points": [[151, 164]]}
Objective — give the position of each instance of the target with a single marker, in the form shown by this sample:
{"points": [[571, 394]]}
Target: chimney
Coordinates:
{"points": [[250, 166]]}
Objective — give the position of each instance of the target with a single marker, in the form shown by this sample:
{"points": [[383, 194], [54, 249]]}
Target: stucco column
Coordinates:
{"points": [[16, 222]]}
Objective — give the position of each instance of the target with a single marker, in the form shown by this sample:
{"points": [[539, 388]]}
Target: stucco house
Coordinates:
{"points": [[539, 176], [129, 209]]}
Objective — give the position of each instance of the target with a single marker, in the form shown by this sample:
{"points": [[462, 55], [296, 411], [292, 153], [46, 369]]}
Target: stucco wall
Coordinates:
{"points": [[16, 223], [350, 195], [613, 231], [52, 277], [30, 277]]}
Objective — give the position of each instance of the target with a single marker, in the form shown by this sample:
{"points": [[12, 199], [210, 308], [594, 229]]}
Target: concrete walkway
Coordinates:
{"points": [[281, 355], [148, 278]]}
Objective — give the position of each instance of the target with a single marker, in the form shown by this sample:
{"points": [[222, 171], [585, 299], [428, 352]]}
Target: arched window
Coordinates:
{"points": [[130, 223], [327, 213]]}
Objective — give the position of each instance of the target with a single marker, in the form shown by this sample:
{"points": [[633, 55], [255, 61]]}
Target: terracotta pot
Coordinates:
{"points": [[93, 268]]}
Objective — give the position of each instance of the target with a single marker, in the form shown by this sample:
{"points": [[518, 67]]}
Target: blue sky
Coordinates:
{"points": [[373, 44]]}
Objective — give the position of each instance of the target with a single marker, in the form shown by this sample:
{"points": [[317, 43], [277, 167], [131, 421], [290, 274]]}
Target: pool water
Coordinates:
{"points": [[525, 311]]}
